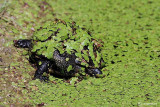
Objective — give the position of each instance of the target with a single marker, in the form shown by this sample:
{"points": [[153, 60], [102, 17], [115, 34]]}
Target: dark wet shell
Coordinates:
{"points": [[66, 37]]}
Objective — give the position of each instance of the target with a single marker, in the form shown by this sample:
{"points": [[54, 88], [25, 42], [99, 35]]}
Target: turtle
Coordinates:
{"points": [[65, 47]]}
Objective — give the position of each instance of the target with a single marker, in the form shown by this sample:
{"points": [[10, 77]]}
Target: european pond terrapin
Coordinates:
{"points": [[64, 47]]}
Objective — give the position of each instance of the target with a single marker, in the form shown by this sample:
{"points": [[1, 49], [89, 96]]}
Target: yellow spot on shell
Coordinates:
{"points": [[67, 59]]}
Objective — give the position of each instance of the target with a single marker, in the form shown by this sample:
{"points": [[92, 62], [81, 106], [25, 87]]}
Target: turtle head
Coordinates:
{"points": [[22, 43], [94, 71]]}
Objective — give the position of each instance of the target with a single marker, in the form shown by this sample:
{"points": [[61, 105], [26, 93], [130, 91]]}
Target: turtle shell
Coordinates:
{"points": [[67, 37]]}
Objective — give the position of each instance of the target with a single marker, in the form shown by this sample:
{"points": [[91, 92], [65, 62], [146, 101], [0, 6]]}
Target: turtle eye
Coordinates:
{"points": [[19, 44], [16, 43]]}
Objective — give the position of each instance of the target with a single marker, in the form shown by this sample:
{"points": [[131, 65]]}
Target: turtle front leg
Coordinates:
{"points": [[41, 69], [22, 43]]}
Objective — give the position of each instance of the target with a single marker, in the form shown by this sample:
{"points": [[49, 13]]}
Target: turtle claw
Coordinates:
{"points": [[94, 72], [42, 78]]}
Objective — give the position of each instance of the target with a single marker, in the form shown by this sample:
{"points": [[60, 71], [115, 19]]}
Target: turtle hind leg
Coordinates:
{"points": [[22, 43], [41, 69]]}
